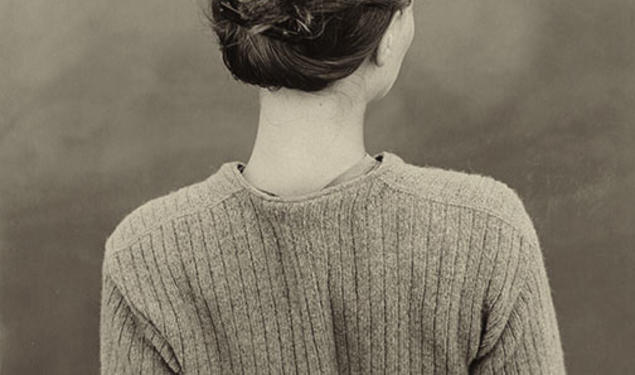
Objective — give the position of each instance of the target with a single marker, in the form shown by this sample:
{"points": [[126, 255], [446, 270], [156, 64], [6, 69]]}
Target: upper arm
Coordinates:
{"points": [[520, 329], [129, 340]]}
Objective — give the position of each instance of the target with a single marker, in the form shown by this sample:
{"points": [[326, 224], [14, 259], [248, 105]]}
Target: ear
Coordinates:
{"points": [[386, 47]]}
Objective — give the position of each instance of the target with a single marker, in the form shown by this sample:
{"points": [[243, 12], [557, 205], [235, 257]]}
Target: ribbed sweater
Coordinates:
{"points": [[406, 269]]}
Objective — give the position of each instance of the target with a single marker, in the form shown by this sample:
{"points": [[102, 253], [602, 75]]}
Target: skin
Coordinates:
{"points": [[305, 140]]}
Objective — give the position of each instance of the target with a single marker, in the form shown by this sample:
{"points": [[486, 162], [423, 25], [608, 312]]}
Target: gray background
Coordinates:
{"points": [[104, 105]]}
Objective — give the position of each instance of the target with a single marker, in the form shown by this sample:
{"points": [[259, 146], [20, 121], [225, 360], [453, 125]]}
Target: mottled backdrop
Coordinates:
{"points": [[106, 104]]}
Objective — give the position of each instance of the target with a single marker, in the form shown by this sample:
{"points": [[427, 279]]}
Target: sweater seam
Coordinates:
{"points": [[397, 187], [522, 292], [171, 218], [145, 323], [522, 284]]}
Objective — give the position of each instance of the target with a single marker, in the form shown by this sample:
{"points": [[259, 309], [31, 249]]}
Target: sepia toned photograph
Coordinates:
{"points": [[317, 187]]}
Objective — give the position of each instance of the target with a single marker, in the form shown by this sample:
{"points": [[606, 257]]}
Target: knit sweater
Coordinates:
{"points": [[405, 269]]}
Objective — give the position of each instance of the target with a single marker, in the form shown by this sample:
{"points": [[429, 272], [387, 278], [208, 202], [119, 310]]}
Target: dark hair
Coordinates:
{"points": [[298, 44]]}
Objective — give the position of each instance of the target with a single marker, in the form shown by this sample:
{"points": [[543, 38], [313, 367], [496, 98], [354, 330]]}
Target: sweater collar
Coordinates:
{"points": [[232, 175]]}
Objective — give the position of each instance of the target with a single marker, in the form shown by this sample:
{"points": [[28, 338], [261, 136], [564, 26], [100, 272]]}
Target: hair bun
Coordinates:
{"points": [[277, 19], [298, 44]]}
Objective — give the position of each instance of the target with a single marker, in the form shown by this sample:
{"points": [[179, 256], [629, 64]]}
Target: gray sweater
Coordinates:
{"points": [[406, 269]]}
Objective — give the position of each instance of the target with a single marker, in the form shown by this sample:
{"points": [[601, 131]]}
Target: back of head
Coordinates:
{"points": [[299, 44]]}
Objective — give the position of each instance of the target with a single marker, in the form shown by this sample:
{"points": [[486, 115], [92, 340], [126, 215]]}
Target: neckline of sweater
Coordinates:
{"points": [[230, 170]]}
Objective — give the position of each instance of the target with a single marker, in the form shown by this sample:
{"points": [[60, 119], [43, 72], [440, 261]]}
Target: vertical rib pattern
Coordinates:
{"points": [[406, 269]]}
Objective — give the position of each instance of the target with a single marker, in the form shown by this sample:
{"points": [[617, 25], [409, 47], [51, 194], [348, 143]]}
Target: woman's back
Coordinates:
{"points": [[405, 269]]}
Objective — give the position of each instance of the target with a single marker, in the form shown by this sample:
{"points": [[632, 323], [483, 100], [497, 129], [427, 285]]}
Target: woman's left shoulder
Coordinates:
{"points": [[469, 189]]}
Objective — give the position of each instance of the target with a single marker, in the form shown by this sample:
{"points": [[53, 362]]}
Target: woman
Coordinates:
{"points": [[315, 257]]}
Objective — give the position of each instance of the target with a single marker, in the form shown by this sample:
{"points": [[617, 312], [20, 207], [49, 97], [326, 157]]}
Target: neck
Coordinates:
{"points": [[304, 140]]}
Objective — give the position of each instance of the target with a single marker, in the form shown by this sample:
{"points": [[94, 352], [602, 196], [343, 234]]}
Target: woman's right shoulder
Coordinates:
{"points": [[163, 210]]}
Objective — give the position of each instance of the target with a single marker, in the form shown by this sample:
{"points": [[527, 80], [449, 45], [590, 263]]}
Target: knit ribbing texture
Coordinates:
{"points": [[407, 269]]}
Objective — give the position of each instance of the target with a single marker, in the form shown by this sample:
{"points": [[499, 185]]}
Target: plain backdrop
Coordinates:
{"points": [[107, 104]]}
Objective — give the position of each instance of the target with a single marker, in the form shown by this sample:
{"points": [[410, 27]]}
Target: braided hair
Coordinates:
{"points": [[298, 44]]}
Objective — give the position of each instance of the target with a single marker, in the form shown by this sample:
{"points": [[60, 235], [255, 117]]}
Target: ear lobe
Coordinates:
{"points": [[384, 49]]}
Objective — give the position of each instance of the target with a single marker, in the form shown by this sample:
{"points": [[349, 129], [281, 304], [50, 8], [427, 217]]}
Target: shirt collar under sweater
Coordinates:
{"points": [[364, 165], [231, 172]]}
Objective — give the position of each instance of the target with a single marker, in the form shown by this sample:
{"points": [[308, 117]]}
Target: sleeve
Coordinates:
{"points": [[520, 333], [129, 342]]}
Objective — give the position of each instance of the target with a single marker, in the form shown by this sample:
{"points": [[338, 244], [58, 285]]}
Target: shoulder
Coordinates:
{"points": [[471, 190], [163, 210]]}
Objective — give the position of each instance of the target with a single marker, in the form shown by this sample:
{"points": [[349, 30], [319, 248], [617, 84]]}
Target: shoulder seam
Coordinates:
{"points": [[137, 236], [397, 187]]}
